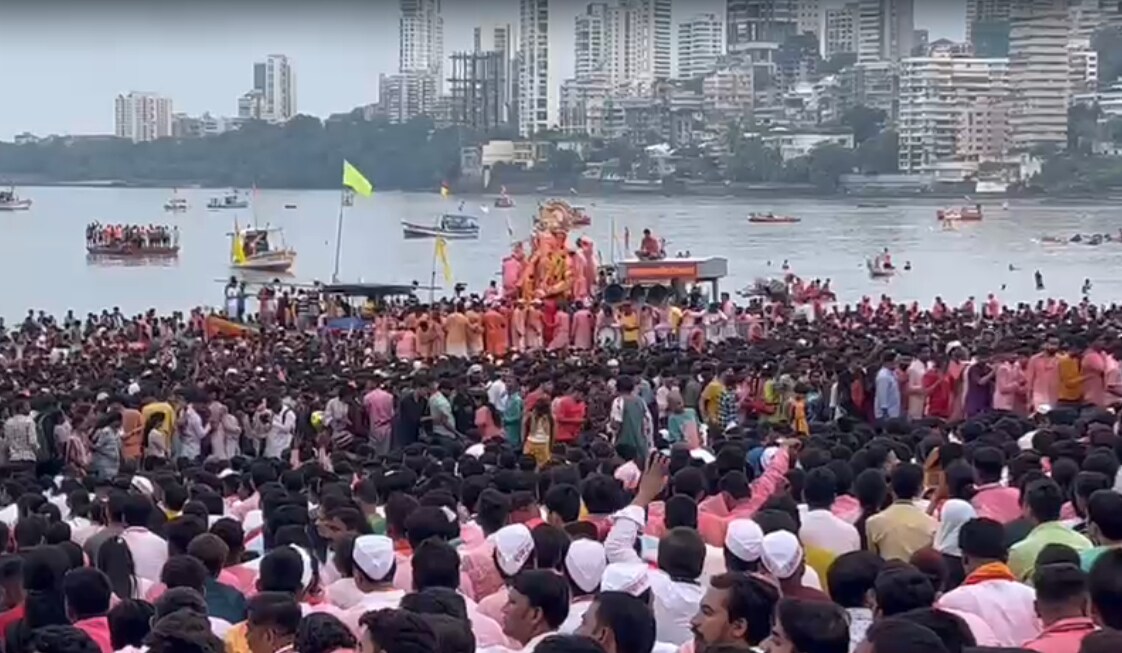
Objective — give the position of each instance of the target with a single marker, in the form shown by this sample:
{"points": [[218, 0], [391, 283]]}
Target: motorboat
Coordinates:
{"points": [[228, 201], [504, 201], [175, 205], [961, 214], [771, 218], [581, 217], [878, 270], [9, 201], [253, 250], [451, 226]]}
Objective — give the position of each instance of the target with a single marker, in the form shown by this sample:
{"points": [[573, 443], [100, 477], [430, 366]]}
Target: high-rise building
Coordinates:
{"points": [[986, 11], [841, 30], [500, 38], [142, 117], [596, 49], [885, 29], [405, 96], [1087, 16], [952, 111], [421, 39], [1039, 70], [273, 97], [647, 30], [758, 27], [701, 41], [478, 92], [808, 17], [537, 94]]}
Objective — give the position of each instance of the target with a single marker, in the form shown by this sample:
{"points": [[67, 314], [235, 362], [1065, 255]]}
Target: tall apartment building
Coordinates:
{"points": [[648, 27], [987, 26], [500, 38], [1039, 69], [596, 48], [1087, 16], [421, 39], [405, 96], [142, 117], [701, 41], [537, 94], [273, 97], [758, 27], [840, 30], [808, 17], [952, 113], [885, 29]]}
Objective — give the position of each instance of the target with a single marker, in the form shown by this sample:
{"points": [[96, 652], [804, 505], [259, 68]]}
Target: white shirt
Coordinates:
{"points": [[149, 552], [343, 593], [823, 530], [530, 645], [1007, 607], [576, 614]]}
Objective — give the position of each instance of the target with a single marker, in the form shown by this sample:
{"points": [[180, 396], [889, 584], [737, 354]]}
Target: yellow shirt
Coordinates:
{"points": [[711, 400], [675, 319], [1071, 379], [163, 408], [629, 325]]}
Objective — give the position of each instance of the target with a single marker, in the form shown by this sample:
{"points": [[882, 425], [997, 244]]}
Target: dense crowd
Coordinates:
{"points": [[880, 477], [133, 236]]}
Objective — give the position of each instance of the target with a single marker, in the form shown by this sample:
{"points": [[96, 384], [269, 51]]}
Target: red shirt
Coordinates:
{"points": [[939, 401], [570, 418], [9, 617]]}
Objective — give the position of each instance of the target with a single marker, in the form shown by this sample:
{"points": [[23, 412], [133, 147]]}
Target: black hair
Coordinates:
{"points": [[1055, 553], [452, 635], [87, 592], [907, 481], [1107, 640], [136, 510], [323, 633], [681, 554], [30, 531], [430, 521], [399, 631], [851, 576], [950, 628], [563, 499], [62, 639], [435, 564], [184, 571], [814, 626], [820, 488], [989, 462], [902, 587], [982, 539], [281, 570], [436, 600], [180, 531], [681, 510], [129, 623], [546, 591], [551, 545], [898, 634], [1106, 588], [278, 610], [179, 599], [749, 599], [114, 559], [1104, 510], [183, 631], [1044, 500], [1059, 583], [630, 620]]}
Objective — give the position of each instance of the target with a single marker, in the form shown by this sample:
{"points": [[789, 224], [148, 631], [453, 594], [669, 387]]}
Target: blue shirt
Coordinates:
{"points": [[887, 403]]}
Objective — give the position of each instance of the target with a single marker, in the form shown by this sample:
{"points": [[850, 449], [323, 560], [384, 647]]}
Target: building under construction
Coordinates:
{"points": [[480, 91]]}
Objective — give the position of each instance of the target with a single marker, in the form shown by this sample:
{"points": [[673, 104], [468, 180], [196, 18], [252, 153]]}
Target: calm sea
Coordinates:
{"points": [[43, 259]]}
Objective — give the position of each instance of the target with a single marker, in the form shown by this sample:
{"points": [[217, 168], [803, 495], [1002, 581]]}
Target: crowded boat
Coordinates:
{"points": [[121, 239]]}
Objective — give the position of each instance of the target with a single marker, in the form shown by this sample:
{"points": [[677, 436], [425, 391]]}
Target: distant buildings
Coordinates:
{"points": [[885, 30], [701, 41], [273, 96], [479, 90], [142, 117], [537, 92], [501, 38], [421, 39], [840, 31], [756, 28], [1039, 70], [405, 96]]}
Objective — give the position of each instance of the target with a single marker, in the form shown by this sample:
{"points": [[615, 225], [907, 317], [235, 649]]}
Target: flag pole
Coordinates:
{"points": [[339, 236], [432, 277]]}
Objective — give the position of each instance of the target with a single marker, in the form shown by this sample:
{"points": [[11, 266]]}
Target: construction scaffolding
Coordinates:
{"points": [[480, 91]]}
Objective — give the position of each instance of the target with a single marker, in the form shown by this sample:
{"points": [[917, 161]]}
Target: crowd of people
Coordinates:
{"points": [[881, 478], [131, 236]]}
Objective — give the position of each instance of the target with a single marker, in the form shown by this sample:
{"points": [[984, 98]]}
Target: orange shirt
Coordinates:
{"points": [[475, 332], [456, 331], [495, 332]]}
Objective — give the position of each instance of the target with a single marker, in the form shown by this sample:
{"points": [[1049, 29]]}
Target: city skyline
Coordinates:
{"points": [[69, 73]]}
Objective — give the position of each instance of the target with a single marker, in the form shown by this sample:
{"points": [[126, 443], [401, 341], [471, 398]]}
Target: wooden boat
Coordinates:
{"points": [[130, 250], [9, 201], [227, 201], [877, 270], [581, 217], [961, 214], [252, 250], [175, 205], [450, 226], [217, 327], [769, 218]]}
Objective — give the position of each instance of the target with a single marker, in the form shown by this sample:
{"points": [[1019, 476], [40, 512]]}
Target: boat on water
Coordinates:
{"points": [[771, 218], [450, 225], [961, 214], [872, 205], [581, 217], [175, 204], [131, 251], [504, 201], [9, 201], [252, 249], [877, 268], [231, 200]]}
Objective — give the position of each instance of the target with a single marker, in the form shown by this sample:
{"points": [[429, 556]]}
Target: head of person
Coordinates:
{"points": [[900, 588], [681, 553], [184, 571], [737, 609], [569, 644], [11, 581], [61, 639], [907, 481], [1106, 588], [783, 557], [284, 569], [538, 603], [808, 627], [950, 628], [852, 577], [374, 562], [982, 541], [820, 489], [1104, 517], [1061, 592], [514, 549], [210, 550], [87, 593], [396, 631], [744, 545], [271, 621], [1042, 501], [323, 633], [130, 621], [584, 566], [620, 623], [435, 564], [899, 634], [183, 631]]}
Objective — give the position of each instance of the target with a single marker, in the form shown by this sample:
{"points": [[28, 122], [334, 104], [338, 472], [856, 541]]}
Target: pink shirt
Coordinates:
{"points": [[98, 630], [1007, 385], [1064, 636], [1094, 378], [478, 562], [492, 606], [582, 329], [403, 577], [149, 552], [406, 345], [847, 508], [1006, 606], [560, 338], [379, 408], [997, 502], [1043, 377], [242, 508]]}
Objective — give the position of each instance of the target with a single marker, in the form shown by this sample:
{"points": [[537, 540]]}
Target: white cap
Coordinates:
{"points": [[782, 554], [476, 450], [513, 547], [744, 539], [102, 396], [142, 485], [629, 577], [374, 555], [475, 368], [585, 563], [306, 572], [134, 388]]}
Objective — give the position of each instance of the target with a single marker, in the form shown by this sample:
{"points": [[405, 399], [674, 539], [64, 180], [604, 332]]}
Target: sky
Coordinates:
{"points": [[64, 61]]}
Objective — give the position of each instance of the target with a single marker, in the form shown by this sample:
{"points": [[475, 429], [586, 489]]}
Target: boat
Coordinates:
{"points": [[228, 201], [877, 270], [131, 250], [961, 214], [581, 217], [504, 201], [289, 207], [251, 249], [9, 201], [771, 218], [872, 206], [451, 226], [175, 204]]}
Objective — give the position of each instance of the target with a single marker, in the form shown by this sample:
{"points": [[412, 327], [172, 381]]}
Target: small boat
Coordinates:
{"points": [[228, 201], [289, 206], [877, 270], [131, 250], [450, 226], [504, 201], [961, 214], [771, 218], [175, 205], [251, 250], [581, 217], [9, 201], [872, 206]]}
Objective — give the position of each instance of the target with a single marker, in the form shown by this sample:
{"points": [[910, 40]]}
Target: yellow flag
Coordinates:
{"points": [[442, 256], [354, 180], [239, 249], [444, 190]]}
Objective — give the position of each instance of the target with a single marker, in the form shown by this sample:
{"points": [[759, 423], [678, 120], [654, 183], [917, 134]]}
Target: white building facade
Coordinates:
{"points": [[142, 117], [701, 41], [421, 39], [537, 93], [1040, 74]]}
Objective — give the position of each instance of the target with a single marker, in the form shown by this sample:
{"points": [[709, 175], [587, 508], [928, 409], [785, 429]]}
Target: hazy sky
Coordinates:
{"points": [[63, 62]]}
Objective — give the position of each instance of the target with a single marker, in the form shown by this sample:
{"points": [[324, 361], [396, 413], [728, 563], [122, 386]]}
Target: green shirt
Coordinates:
{"points": [[1022, 557], [1088, 558], [512, 420]]}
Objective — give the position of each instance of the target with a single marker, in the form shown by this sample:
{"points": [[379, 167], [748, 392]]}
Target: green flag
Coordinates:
{"points": [[354, 180]]}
